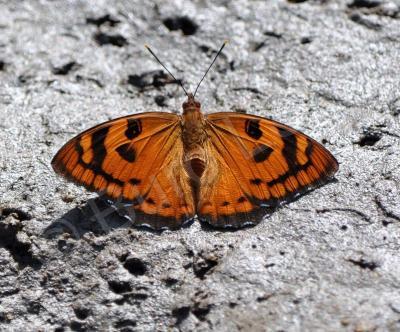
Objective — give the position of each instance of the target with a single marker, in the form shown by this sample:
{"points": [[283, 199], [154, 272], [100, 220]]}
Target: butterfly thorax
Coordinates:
{"points": [[194, 136]]}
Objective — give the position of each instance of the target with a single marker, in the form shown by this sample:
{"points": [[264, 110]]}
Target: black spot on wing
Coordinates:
{"points": [[309, 148], [290, 147], [252, 128], [261, 153], [135, 181], [256, 181], [150, 201], [99, 149], [134, 128], [126, 152], [78, 148], [225, 203], [99, 154], [242, 199], [289, 152]]}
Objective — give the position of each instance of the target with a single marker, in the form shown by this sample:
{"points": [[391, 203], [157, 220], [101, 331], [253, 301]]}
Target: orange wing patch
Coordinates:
{"points": [[258, 163], [136, 159]]}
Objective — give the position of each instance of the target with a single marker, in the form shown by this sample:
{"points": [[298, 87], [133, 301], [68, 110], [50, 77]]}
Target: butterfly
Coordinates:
{"points": [[230, 169]]}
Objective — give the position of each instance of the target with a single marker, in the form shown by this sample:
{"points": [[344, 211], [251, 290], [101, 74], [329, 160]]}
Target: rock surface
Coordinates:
{"points": [[329, 261]]}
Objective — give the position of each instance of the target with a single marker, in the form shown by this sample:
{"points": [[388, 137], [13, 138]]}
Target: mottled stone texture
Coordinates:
{"points": [[327, 262]]}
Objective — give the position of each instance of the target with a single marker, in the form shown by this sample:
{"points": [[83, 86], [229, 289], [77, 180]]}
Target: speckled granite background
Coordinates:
{"points": [[327, 262]]}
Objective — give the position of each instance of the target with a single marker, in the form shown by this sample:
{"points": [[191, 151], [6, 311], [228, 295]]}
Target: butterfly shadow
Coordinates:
{"points": [[97, 216]]}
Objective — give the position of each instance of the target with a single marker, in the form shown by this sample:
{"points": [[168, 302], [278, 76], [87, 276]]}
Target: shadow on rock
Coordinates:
{"points": [[97, 216]]}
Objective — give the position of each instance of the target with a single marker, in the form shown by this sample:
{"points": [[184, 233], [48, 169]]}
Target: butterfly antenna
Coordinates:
{"points": [[159, 61], [218, 53]]}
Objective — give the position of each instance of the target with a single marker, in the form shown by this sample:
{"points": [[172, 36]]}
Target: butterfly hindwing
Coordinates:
{"points": [[258, 164], [223, 198], [137, 160]]}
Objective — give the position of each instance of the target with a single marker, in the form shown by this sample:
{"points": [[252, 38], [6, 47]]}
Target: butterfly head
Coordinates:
{"points": [[191, 104]]}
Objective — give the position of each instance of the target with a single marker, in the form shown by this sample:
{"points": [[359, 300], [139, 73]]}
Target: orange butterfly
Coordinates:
{"points": [[229, 169]]}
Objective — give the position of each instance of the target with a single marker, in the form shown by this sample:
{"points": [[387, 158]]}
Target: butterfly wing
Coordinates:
{"points": [[257, 164], [137, 160]]}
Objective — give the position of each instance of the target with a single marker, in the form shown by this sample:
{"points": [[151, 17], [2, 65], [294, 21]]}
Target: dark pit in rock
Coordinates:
{"points": [[184, 23], [364, 4], [364, 264], [98, 21], [156, 79], [181, 313], [119, 286], [65, 68], [369, 138], [134, 265], [108, 39]]}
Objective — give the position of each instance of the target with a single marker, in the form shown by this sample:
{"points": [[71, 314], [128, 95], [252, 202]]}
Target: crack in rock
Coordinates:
{"points": [[250, 89], [151, 79], [65, 68], [375, 7], [109, 39], [362, 20], [364, 264], [385, 211], [260, 45], [98, 21], [354, 211]]}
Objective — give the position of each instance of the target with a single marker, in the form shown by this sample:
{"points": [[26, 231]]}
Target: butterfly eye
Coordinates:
{"points": [[197, 104]]}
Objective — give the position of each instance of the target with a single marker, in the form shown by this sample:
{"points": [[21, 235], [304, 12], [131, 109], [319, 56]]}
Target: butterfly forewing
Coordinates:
{"points": [[258, 164], [135, 159]]}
